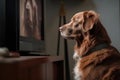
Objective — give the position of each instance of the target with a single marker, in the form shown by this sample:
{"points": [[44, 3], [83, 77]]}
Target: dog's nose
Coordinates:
{"points": [[62, 29]]}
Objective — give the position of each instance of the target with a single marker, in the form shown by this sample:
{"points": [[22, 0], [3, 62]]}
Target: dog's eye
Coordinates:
{"points": [[77, 25]]}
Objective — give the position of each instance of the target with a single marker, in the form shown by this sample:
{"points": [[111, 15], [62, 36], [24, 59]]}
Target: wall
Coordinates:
{"points": [[2, 22], [109, 16]]}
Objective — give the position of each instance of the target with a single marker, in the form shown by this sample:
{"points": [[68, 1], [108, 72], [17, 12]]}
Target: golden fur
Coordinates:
{"points": [[100, 64]]}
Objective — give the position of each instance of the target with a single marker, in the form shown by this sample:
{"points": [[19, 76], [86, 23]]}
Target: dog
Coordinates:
{"points": [[96, 58]]}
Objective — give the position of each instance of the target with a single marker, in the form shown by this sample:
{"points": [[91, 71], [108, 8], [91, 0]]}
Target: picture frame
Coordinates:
{"points": [[17, 17], [31, 19]]}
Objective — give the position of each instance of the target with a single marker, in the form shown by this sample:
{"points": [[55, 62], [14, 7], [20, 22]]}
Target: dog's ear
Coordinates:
{"points": [[90, 18]]}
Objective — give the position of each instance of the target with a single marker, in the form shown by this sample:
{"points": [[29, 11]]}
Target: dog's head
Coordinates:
{"points": [[80, 23]]}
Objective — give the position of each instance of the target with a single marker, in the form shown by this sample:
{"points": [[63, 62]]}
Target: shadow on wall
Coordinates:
{"points": [[73, 3], [74, 6], [70, 2]]}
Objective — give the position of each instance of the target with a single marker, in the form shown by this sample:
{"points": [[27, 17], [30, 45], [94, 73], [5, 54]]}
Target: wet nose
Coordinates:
{"points": [[62, 29]]}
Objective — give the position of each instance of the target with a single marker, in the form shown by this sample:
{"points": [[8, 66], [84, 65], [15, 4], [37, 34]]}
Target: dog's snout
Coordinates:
{"points": [[62, 28], [70, 31]]}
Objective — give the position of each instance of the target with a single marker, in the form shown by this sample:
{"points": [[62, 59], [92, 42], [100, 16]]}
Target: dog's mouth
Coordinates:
{"points": [[68, 37], [78, 37], [71, 36]]}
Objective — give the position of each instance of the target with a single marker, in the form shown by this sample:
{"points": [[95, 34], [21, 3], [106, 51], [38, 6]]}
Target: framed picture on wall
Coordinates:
{"points": [[26, 18], [31, 19], [31, 25]]}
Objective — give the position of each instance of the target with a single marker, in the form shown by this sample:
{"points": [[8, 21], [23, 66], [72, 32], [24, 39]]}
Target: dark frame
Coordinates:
{"points": [[14, 41]]}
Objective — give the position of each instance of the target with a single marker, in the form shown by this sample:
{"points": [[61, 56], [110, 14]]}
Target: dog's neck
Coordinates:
{"points": [[96, 36], [83, 47], [97, 47]]}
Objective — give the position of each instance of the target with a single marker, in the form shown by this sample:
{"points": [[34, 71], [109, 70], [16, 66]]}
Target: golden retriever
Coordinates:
{"points": [[95, 58]]}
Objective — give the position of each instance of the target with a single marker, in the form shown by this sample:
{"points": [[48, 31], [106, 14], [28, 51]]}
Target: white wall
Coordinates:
{"points": [[109, 16]]}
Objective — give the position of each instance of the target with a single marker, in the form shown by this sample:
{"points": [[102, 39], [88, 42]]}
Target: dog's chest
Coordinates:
{"points": [[77, 71]]}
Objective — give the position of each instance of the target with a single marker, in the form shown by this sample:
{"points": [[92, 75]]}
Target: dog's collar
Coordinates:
{"points": [[97, 47]]}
